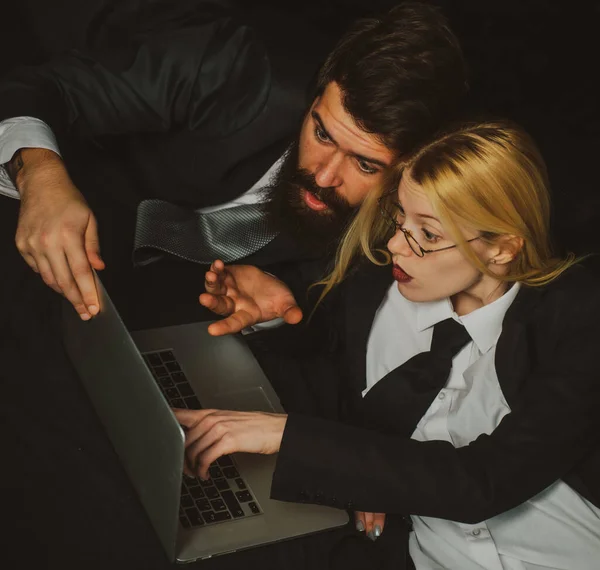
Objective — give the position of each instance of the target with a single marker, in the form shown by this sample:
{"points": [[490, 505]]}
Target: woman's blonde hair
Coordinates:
{"points": [[487, 176]]}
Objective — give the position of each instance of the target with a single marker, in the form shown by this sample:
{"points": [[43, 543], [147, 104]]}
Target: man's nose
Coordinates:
{"points": [[398, 245], [329, 171]]}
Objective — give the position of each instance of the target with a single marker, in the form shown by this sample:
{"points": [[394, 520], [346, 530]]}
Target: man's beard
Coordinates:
{"points": [[312, 230]]}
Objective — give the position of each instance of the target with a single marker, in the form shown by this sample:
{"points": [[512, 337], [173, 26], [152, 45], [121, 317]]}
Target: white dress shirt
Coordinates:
{"points": [[21, 132], [556, 529]]}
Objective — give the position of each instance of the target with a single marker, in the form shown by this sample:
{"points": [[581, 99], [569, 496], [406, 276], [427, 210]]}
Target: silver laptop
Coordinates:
{"points": [[133, 380]]}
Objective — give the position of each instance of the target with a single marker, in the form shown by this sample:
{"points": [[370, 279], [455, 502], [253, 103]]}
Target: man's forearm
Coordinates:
{"points": [[26, 161]]}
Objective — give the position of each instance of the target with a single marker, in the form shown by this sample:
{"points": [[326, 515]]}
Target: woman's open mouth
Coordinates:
{"points": [[400, 275]]}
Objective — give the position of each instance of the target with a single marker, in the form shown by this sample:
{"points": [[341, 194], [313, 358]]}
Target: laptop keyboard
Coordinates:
{"points": [[225, 496]]}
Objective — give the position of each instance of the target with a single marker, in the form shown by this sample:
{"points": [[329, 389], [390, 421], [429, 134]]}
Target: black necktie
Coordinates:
{"points": [[228, 234], [416, 382]]}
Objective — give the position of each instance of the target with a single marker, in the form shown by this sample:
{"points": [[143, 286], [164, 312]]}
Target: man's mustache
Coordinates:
{"points": [[302, 178]]}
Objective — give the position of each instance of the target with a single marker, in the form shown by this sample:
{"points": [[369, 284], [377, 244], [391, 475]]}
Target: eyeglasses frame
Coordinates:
{"points": [[407, 233]]}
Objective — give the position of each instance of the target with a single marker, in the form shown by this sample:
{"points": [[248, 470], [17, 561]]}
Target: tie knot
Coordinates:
{"points": [[449, 336]]}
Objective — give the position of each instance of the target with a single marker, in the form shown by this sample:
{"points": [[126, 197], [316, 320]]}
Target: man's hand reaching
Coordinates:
{"points": [[57, 233], [246, 296]]}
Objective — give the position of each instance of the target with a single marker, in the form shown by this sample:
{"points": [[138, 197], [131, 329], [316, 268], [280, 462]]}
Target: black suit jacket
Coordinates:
{"points": [[199, 101], [549, 372], [190, 101]]}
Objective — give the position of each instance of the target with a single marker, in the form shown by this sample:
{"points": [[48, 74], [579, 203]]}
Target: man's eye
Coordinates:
{"points": [[366, 167], [430, 237], [321, 135]]}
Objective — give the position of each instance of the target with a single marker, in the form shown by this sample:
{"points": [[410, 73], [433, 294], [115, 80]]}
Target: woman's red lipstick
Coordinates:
{"points": [[400, 275]]}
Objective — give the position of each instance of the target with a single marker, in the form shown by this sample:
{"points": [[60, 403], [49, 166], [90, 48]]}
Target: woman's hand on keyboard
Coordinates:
{"points": [[211, 434], [246, 296]]}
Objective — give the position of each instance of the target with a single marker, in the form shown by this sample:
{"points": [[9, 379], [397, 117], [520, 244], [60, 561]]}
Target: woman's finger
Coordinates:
{"points": [[368, 523], [232, 324], [359, 520], [219, 304], [377, 524], [190, 418], [214, 278], [217, 266], [214, 283], [292, 315], [204, 460]]}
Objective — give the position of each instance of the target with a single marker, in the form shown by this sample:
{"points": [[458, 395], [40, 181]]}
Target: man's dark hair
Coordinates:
{"points": [[401, 75]]}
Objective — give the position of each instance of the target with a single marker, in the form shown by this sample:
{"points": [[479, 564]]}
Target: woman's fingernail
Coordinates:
{"points": [[377, 531], [360, 527], [85, 316], [372, 536], [93, 309]]}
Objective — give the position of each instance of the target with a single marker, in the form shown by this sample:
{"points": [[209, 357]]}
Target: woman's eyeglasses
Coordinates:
{"points": [[390, 209]]}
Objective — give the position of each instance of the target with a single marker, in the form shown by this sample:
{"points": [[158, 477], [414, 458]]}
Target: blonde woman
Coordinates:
{"points": [[492, 461]]}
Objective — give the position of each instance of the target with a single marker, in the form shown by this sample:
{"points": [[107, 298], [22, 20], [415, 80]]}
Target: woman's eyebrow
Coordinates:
{"points": [[428, 217]]}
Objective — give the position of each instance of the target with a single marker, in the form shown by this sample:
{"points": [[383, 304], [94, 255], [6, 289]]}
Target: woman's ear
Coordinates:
{"points": [[505, 249]]}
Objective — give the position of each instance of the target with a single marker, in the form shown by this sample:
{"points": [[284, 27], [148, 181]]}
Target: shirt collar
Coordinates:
{"points": [[433, 312], [484, 325]]}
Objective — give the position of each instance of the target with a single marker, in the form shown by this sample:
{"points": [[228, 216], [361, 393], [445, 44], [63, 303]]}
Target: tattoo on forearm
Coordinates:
{"points": [[14, 166]]}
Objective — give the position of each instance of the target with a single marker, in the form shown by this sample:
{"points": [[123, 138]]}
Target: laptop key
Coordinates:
{"points": [[192, 403], [185, 390], [221, 484], [232, 504], [187, 501], [211, 492], [222, 516], [240, 483], [191, 481], [176, 403], [194, 517], [225, 461], [196, 492], [215, 472], [203, 504], [153, 359], [172, 393], [178, 377], [166, 382], [254, 507], [218, 505], [243, 496], [230, 472], [166, 355], [184, 522], [209, 516], [173, 366], [160, 371]]}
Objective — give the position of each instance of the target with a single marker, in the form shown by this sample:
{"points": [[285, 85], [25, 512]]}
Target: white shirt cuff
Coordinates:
{"points": [[21, 132]]}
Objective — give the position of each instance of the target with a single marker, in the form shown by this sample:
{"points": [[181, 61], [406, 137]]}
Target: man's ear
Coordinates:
{"points": [[505, 249]]}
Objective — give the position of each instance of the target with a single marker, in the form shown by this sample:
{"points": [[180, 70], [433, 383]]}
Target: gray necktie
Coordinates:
{"points": [[228, 234]]}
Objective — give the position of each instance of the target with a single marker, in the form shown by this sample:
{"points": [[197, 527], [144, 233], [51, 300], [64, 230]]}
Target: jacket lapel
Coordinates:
{"points": [[514, 352], [365, 291]]}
